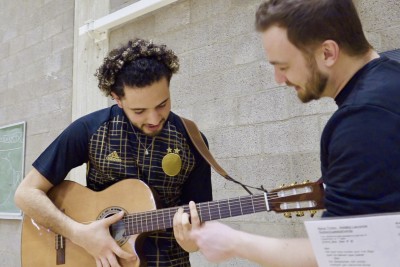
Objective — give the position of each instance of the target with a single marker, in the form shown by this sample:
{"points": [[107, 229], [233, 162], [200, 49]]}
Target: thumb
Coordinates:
{"points": [[115, 217]]}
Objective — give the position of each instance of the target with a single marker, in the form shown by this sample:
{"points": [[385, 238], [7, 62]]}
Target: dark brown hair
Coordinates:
{"points": [[311, 22], [139, 63]]}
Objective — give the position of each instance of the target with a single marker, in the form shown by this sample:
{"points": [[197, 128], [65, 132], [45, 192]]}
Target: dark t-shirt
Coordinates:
{"points": [[360, 145], [114, 150]]}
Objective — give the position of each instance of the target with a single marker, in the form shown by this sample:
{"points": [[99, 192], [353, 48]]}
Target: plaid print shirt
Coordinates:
{"points": [[114, 150]]}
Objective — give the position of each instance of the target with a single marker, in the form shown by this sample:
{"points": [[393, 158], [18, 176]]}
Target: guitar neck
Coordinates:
{"points": [[296, 197], [162, 219]]}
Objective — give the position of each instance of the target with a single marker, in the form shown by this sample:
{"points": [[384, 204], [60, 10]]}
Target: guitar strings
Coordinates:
{"points": [[211, 205], [166, 215], [153, 220], [235, 207]]}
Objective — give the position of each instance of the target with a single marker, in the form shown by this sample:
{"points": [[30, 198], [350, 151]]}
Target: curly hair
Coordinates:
{"points": [[139, 63]]}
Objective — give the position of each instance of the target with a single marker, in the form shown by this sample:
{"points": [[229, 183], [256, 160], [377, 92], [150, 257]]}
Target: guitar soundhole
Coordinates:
{"points": [[117, 230]]}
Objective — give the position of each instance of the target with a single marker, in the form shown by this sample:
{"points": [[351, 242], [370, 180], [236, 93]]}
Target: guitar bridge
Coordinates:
{"points": [[60, 249]]}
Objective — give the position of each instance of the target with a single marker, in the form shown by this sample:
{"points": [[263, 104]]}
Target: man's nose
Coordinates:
{"points": [[280, 77], [154, 117]]}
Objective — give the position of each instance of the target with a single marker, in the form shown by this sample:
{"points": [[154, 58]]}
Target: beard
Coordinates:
{"points": [[151, 133], [315, 85]]}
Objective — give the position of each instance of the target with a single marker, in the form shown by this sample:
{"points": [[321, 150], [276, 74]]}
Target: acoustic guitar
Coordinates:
{"points": [[41, 247]]}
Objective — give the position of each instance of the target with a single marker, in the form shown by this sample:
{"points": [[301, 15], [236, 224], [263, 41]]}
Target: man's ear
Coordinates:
{"points": [[117, 99], [329, 53]]}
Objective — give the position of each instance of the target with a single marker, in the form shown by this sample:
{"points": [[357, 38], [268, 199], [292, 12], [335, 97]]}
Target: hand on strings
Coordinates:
{"points": [[183, 224], [96, 239]]}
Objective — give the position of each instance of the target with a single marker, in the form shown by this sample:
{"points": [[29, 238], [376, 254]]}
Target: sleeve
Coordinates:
{"points": [[67, 151], [198, 187], [360, 152]]}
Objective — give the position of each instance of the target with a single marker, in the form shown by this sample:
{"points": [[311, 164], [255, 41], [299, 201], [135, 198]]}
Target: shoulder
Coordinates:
{"points": [[92, 121], [377, 84], [362, 125]]}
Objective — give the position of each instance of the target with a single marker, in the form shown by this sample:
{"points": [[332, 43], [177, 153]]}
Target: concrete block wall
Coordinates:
{"points": [[258, 131], [36, 48]]}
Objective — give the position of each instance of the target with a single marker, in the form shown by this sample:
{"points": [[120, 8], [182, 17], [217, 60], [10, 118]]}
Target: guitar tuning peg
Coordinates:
{"points": [[312, 213], [299, 213], [293, 183], [287, 215], [282, 186], [306, 181]]}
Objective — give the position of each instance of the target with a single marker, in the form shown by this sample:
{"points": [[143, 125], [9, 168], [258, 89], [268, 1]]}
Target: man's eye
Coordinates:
{"points": [[138, 112]]}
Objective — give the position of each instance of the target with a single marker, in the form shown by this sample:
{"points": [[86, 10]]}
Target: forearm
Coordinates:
{"points": [[39, 207], [31, 197], [275, 252]]}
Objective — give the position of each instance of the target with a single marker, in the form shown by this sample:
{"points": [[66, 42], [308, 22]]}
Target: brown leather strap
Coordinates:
{"points": [[201, 146], [198, 141]]}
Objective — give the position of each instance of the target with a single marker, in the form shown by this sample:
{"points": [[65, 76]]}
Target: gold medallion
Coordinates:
{"points": [[172, 162]]}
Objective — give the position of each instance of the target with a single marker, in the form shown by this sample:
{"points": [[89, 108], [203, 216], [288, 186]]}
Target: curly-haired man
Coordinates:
{"points": [[138, 137]]}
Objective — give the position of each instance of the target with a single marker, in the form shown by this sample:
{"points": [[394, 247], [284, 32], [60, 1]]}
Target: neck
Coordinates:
{"points": [[345, 69]]}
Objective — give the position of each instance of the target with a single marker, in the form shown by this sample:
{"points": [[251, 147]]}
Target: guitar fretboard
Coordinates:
{"points": [[162, 219]]}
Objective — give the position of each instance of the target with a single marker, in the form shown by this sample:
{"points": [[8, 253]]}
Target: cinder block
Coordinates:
{"points": [[16, 45], [205, 9], [250, 4], [118, 4], [237, 141], [390, 38], [216, 114], [306, 166], [266, 106], [297, 108], [213, 58], [3, 83], [377, 15], [142, 27], [54, 26], [63, 40], [294, 135], [55, 8], [267, 170], [37, 52], [16, 78], [241, 21], [34, 36], [172, 17], [247, 48], [375, 39]]}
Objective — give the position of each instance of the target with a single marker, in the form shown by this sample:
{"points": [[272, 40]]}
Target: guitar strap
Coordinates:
{"points": [[198, 141]]}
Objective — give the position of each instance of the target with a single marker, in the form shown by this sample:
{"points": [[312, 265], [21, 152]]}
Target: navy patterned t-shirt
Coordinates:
{"points": [[114, 149]]}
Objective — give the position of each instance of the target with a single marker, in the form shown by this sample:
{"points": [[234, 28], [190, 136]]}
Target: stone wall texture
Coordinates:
{"points": [[258, 131]]}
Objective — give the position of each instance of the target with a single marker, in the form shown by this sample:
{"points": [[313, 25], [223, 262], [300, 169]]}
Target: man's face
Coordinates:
{"points": [[147, 107], [292, 67]]}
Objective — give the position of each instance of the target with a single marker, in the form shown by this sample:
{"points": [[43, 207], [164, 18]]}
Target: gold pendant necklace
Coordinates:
{"points": [[171, 162], [146, 149]]}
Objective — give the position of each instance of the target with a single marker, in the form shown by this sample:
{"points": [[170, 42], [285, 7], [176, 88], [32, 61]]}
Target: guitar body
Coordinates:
{"points": [[41, 247], [84, 205]]}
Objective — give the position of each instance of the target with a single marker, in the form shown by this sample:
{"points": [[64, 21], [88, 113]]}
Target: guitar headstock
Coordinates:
{"points": [[308, 196]]}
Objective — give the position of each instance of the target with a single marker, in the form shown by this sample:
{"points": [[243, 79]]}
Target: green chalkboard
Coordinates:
{"points": [[12, 152]]}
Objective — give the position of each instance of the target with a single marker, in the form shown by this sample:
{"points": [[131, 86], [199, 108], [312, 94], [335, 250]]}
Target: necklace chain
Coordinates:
{"points": [[146, 150]]}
